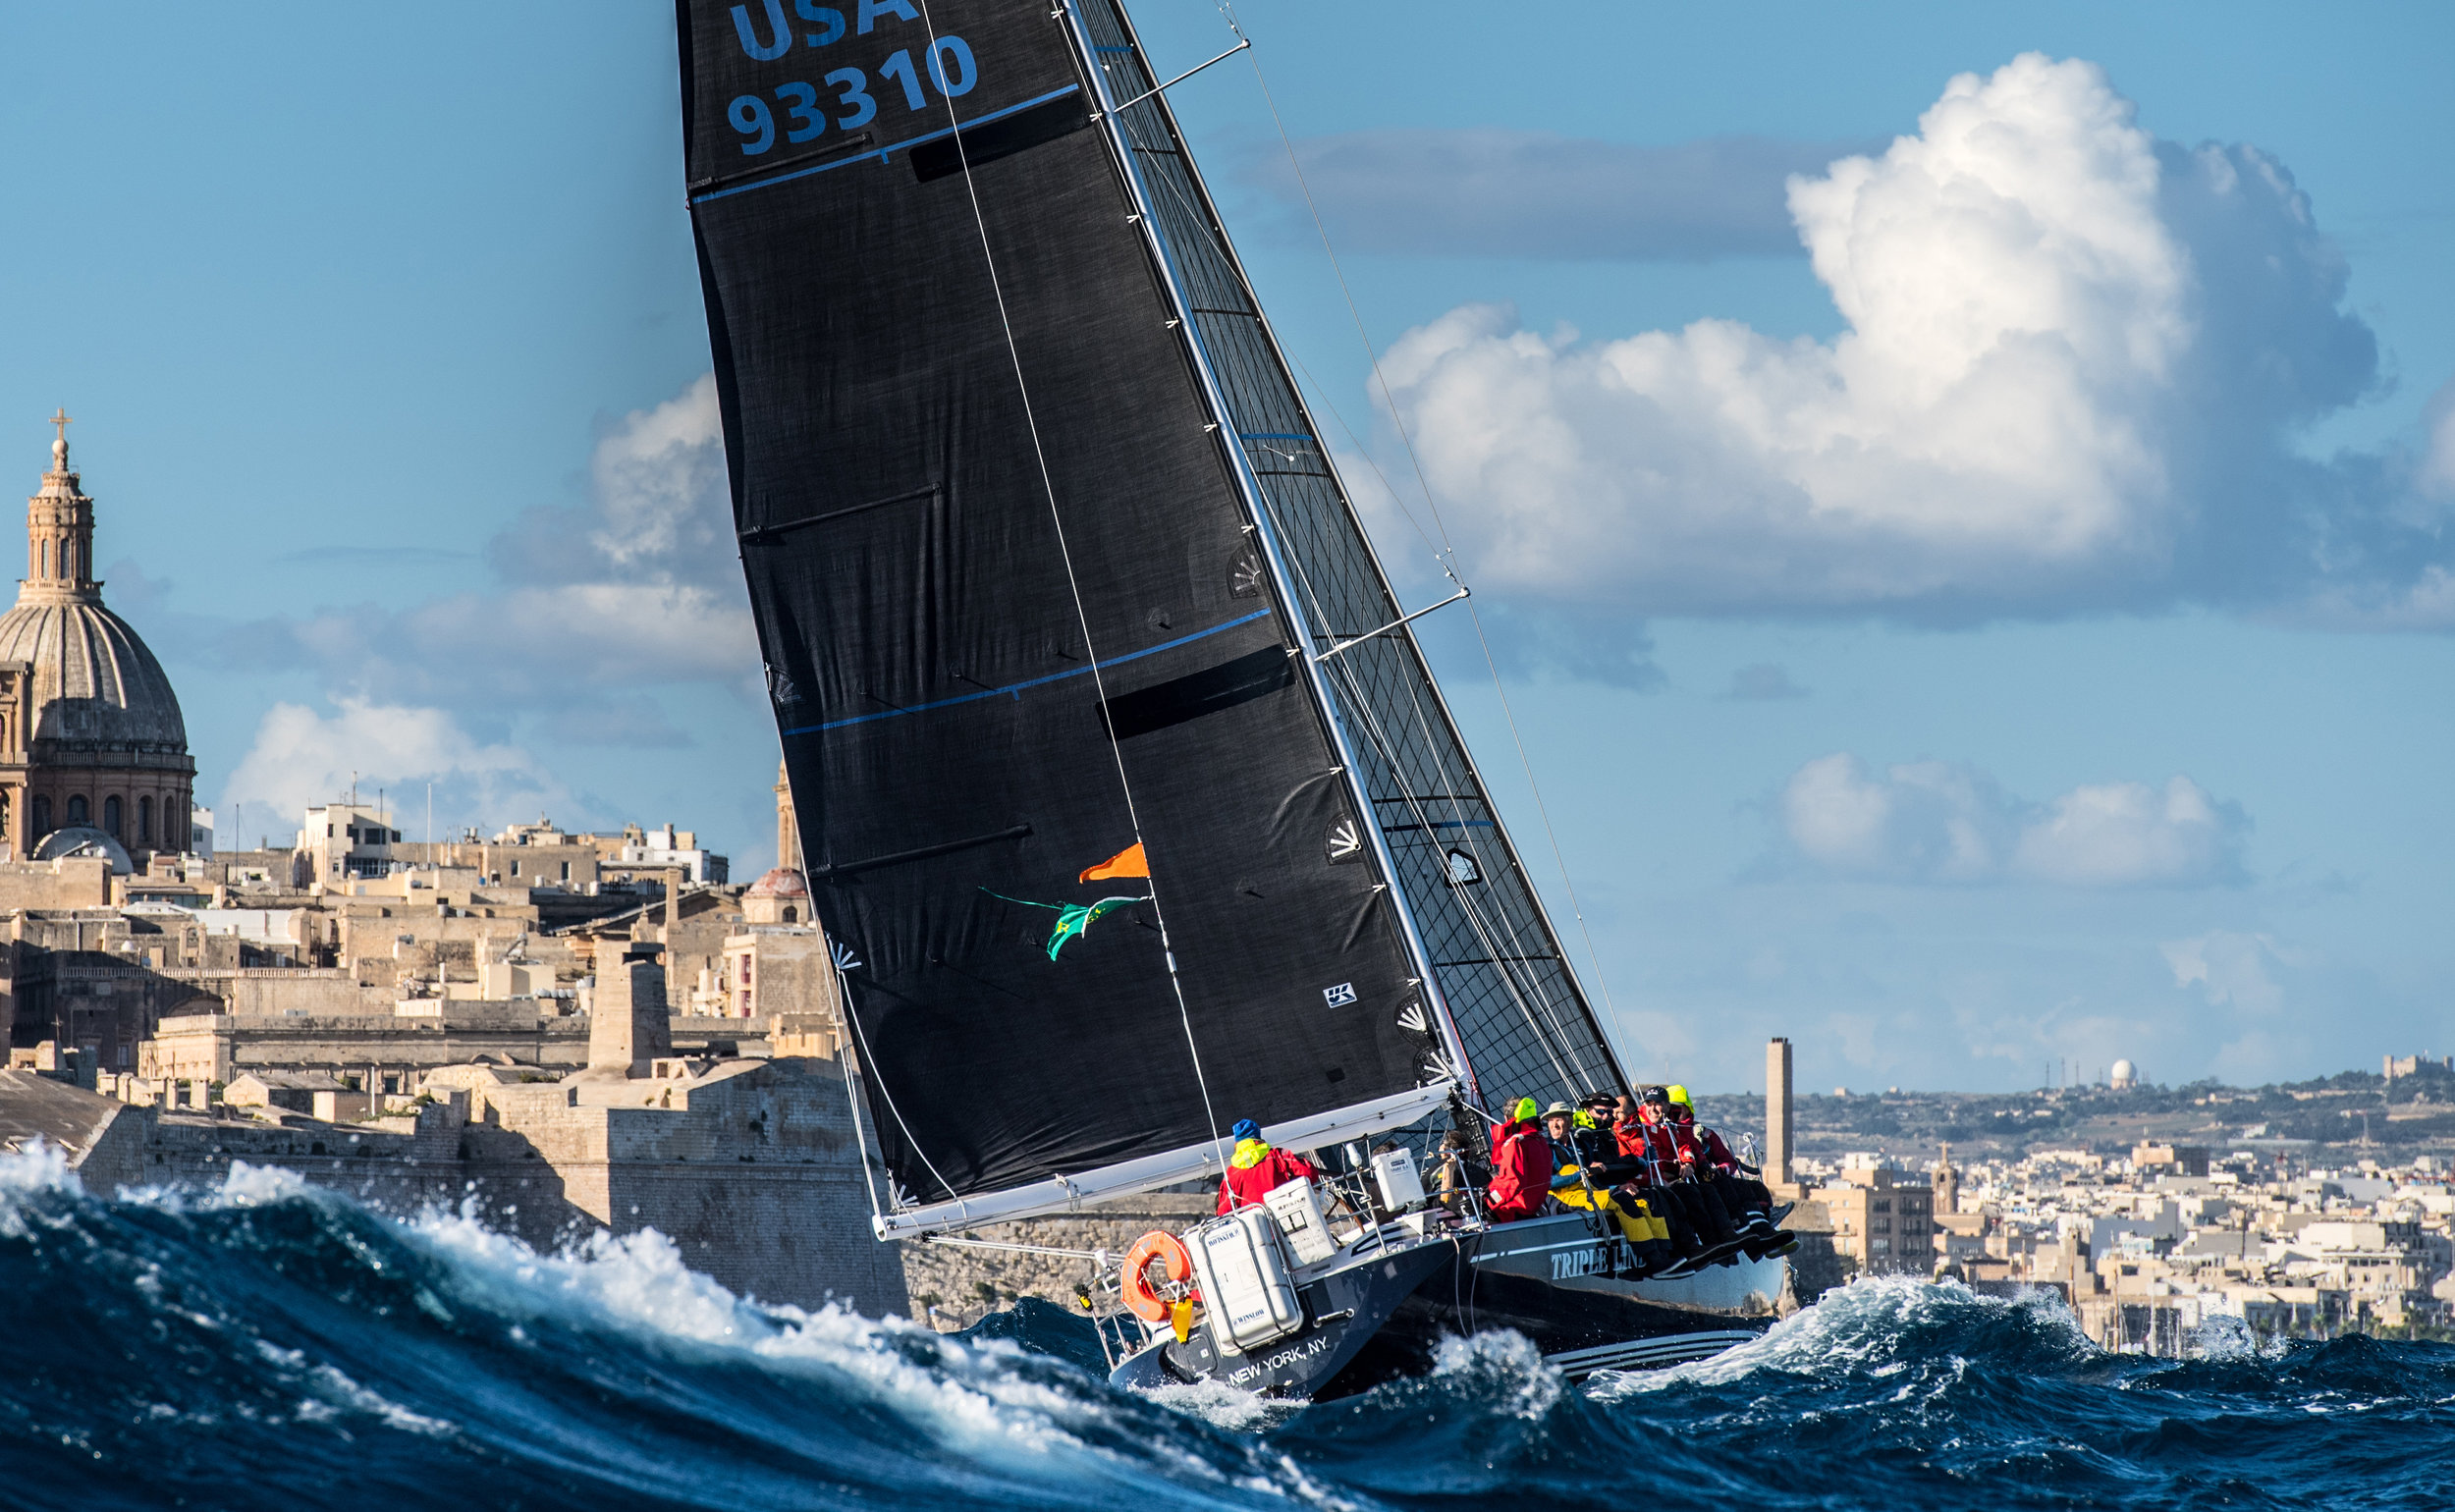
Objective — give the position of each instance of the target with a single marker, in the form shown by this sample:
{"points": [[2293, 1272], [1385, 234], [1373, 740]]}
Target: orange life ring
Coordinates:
{"points": [[1158, 1245]]}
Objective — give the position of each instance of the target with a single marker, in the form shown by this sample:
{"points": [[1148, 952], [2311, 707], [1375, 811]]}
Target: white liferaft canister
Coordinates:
{"points": [[1247, 1294]]}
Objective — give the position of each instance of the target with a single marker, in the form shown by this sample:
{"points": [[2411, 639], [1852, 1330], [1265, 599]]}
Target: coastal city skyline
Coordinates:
{"points": [[419, 482]]}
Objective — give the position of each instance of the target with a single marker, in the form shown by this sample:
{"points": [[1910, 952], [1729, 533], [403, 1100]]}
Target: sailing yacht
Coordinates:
{"points": [[1129, 802]]}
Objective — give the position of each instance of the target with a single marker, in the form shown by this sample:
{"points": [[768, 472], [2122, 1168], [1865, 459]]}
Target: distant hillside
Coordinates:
{"points": [[2413, 1114]]}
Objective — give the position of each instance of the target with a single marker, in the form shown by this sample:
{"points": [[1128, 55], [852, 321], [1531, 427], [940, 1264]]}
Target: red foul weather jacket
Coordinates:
{"points": [[1244, 1186], [1521, 1173], [1705, 1147]]}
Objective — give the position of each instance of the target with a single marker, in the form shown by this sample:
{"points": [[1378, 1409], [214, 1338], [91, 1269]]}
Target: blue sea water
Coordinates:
{"points": [[268, 1345]]}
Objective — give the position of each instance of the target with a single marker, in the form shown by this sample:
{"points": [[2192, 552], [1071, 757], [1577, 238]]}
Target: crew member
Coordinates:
{"points": [[1582, 1143], [1256, 1169], [1453, 1171], [1698, 1204], [1749, 1202], [1521, 1166]]}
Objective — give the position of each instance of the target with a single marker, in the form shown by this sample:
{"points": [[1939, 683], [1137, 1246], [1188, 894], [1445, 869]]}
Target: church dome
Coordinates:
{"points": [[96, 686], [782, 882], [94, 680]]}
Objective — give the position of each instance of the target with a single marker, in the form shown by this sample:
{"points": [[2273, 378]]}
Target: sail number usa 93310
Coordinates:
{"points": [[847, 98]]}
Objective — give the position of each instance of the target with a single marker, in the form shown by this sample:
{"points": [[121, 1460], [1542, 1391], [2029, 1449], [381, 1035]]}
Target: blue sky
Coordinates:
{"points": [[2008, 636]]}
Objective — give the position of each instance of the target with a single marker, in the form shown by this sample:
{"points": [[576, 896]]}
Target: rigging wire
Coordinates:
{"points": [[860, 1141], [1415, 461], [1074, 585]]}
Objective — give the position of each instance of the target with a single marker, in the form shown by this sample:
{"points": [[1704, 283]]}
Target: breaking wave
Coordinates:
{"points": [[266, 1343]]}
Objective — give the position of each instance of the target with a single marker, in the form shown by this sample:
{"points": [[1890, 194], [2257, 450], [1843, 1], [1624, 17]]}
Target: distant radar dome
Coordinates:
{"points": [[85, 840], [2125, 1074]]}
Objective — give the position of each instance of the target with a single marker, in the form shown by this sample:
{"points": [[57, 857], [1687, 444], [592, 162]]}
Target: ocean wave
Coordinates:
{"points": [[263, 1342]]}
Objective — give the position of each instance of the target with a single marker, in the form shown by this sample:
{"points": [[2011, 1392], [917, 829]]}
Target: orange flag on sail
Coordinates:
{"points": [[1126, 863]]}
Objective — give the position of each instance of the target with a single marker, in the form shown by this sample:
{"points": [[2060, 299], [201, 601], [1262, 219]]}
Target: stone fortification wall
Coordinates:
{"points": [[753, 1173], [394, 1170], [216, 1046], [67, 883], [264, 992], [966, 1283]]}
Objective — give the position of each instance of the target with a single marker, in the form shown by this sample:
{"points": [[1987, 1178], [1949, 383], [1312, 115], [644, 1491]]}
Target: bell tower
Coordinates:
{"points": [[59, 532], [788, 829]]}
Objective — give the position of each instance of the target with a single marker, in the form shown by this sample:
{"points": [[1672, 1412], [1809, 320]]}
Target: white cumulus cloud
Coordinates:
{"points": [[637, 587], [1942, 822], [2075, 365], [302, 758]]}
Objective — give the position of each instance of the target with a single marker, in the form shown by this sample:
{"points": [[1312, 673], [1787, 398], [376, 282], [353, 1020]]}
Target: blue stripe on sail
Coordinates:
{"points": [[1016, 688], [887, 151]]}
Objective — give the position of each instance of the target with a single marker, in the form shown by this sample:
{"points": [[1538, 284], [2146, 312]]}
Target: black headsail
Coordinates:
{"points": [[1022, 639]]}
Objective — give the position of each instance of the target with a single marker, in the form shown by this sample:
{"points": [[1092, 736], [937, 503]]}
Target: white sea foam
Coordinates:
{"points": [[1855, 1329], [1223, 1406], [330, 1394], [256, 1186], [1508, 1365], [988, 1403], [40, 1166]]}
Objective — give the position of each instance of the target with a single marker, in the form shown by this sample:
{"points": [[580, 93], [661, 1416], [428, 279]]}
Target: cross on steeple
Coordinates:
{"points": [[62, 419]]}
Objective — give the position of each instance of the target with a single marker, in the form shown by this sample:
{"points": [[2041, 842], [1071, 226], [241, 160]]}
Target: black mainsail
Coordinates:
{"points": [[1056, 591]]}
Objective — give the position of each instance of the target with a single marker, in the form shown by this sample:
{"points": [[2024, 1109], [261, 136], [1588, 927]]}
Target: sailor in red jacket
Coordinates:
{"points": [[1521, 1166], [1256, 1168]]}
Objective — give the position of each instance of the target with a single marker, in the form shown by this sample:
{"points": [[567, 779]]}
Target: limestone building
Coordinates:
{"points": [[93, 753]]}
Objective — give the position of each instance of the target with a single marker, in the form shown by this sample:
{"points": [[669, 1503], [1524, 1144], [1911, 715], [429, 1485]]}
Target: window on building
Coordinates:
{"points": [[111, 816], [515, 866], [566, 871], [42, 817], [144, 820], [1882, 1204], [77, 813], [745, 971], [793, 915]]}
